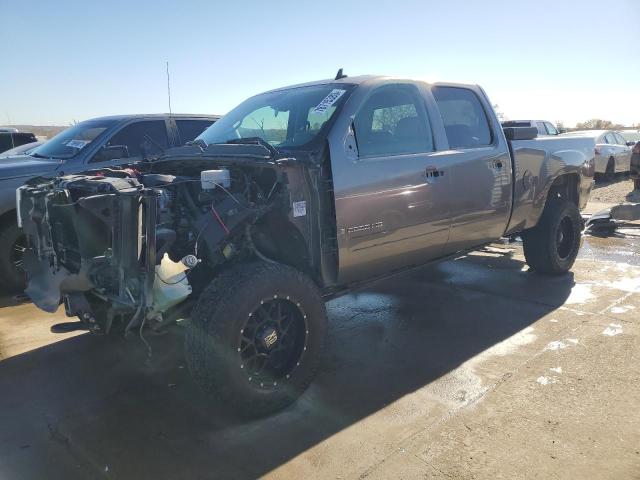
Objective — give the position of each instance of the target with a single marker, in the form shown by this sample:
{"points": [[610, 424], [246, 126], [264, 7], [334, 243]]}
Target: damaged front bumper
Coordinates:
{"points": [[92, 245]]}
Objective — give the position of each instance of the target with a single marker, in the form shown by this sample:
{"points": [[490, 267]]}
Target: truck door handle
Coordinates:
{"points": [[497, 164], [433, 173]]}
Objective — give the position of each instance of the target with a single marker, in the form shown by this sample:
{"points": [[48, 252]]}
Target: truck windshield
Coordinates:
{"points": [[71, 141], [289, 118]]}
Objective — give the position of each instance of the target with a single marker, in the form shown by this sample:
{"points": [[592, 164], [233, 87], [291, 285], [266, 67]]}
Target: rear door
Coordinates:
{"points": [[391, 194], [189, 129], [479, 164], [624, 164], [614, 151]]}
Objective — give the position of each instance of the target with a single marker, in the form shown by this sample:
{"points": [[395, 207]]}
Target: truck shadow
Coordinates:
{"points": [[90, 406]]}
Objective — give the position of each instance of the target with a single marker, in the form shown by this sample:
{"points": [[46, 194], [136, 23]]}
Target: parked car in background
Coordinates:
{"points": [[97, 143], [10, 139], [544, 127], [22, 149], [613, 155]]}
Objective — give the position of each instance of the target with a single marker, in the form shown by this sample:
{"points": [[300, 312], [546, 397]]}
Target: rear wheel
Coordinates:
{"points": [[551, 247], [12, 247], [256, 337], [609, 173]]}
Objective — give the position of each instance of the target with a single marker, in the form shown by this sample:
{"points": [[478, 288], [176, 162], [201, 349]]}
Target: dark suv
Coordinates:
{"points": [[96, 143], [9, 140]]}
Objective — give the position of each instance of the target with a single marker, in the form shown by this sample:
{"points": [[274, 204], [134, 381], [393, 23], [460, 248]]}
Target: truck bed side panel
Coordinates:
{"points": [[537, 164]]}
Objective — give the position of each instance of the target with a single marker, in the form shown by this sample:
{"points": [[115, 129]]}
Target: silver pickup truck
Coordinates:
{"points": [[296, 195]]}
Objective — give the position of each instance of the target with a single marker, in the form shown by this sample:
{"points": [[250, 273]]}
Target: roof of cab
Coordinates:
{"points": [[155, 116], [361, 79]]}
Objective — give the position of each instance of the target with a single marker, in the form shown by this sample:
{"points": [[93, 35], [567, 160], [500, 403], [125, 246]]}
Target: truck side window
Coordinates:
{"points": [[190, 129], [609, 138], [465, 120], [393, 121], [141, 139], [541, 129], [551, 129]]}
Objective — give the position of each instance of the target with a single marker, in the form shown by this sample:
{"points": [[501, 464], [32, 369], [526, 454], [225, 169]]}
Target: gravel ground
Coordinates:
{"points": [[616, 191]]}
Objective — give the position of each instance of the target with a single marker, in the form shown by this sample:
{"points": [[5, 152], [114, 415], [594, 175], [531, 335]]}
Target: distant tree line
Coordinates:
{"points": [[598, 124]]}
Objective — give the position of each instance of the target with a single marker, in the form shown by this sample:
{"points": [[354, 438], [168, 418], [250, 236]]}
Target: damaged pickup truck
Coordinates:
{"points": [[296, 195]]}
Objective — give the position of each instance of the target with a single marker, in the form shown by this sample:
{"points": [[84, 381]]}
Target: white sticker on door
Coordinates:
{"points": [[299, 209], [329, 100]]}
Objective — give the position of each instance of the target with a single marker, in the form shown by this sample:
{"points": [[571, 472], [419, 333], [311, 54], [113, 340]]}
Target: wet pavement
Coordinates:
{"points": [[471, 368]]}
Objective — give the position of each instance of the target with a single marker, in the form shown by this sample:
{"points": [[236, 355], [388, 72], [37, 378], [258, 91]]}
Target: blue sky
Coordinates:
{"points": [[72, 60]]}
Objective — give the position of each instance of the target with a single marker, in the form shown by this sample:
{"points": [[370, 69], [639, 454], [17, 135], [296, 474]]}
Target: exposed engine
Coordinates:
{"points": [[123, 247]]}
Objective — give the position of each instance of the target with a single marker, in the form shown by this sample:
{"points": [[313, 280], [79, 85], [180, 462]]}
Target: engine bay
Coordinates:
{"points": [[125, 246]]}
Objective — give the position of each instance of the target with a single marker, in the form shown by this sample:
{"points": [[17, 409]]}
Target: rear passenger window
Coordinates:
{"points": [[465, 120], [141, 139], [190, 129], [393, 121]]}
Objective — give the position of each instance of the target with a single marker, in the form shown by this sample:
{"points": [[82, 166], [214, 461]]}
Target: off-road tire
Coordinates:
{"points": [[217, 325], [543, 251], [11, 278]]}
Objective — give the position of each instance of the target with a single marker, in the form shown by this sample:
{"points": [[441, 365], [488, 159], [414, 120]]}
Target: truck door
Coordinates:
{"points": [[391, 194], [479, 163]]}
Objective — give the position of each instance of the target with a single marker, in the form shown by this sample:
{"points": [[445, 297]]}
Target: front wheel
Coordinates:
{"points": [[551, 247], [256, 337], [12, 247]]}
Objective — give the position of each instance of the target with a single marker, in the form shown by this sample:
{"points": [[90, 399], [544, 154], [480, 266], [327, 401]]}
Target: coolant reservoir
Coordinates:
{"points": [[211, 178], [170, 286]]}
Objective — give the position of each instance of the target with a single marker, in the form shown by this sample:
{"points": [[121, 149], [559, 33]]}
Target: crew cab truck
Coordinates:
{"points": [[96, 143], [297, 195]]}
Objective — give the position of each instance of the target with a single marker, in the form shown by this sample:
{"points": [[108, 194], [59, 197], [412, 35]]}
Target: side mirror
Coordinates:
{"points": [[630, 144], [562, 130], [112, 152]]}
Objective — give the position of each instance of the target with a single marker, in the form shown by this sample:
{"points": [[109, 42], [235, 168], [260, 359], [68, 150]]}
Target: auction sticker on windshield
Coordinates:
{"points": [[79, 144], [329, 100]]}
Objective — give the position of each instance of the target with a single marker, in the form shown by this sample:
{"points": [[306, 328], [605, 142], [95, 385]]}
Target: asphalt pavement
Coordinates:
{"points": [[471, 368]]}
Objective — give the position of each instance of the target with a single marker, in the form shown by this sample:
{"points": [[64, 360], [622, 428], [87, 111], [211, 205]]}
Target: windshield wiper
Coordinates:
{"points": [[197, 142], [37, 155], [256, 141]]}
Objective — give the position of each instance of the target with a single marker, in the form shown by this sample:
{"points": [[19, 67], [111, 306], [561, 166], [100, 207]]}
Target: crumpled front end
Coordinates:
{"points": [[89, 234], [121, 247]]}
